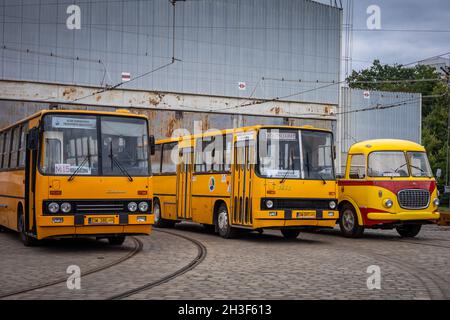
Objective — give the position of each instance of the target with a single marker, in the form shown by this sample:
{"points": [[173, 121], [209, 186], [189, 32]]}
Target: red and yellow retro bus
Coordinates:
{"points": [[388, 184], [274, 177], [66, 173]]}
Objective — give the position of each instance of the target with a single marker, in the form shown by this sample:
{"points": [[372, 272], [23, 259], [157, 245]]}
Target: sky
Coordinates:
{"points": [[410, 44]]}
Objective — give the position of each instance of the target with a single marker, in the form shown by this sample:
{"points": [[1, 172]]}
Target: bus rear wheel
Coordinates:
{"points": [[24, 237], [223, 224], [409, 230], [117, 240], [290, 233], [348, 222]]}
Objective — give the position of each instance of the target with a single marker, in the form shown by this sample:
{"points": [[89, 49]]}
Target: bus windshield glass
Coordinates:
{"points": [[94, 145], [296, 154]]}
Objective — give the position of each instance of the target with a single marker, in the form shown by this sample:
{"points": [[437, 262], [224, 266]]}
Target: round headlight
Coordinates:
{"points": [[436, 202], [53, 207], [388, 203], [143, 206], [132, 206], [66, 207], [332, 205], [269, 204]]}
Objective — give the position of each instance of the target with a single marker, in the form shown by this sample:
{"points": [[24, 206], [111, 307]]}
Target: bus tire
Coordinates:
{"points": [[25, 238], [290, 233], [348, 222], [223, 223], [408, 230], [160, 222], [116, 240]]}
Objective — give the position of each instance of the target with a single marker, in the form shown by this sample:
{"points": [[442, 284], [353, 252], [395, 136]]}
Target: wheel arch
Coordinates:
{"points": [[350, 201]]}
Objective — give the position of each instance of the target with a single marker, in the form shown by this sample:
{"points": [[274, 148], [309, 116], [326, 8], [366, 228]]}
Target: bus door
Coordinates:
{"points": [[184, 178], [31, 164], [244, 155]]}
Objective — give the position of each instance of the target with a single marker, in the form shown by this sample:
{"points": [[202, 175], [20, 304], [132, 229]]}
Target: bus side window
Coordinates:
{"points": [[198, 156], [7, 148], [156, 159], [15, 147], [22, 146], [228, 152], [2, 146], [357, 167], [168, 165], [208, 153]]}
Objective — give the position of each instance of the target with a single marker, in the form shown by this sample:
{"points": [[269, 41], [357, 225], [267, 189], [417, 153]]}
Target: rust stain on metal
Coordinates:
{"points": [[69, 92], [276, 110]]}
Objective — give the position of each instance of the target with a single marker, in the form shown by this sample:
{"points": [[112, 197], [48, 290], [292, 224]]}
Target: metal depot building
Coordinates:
{"points": [[205, 63]]}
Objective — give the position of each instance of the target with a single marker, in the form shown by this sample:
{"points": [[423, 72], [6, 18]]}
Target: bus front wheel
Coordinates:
{"points": [[290, 233], [223, 224], [117, 240], [24, 237], [348, 222], [409, 230]]}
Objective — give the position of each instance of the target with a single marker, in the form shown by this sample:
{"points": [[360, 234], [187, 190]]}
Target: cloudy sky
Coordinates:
{"points": [[411, 30]]}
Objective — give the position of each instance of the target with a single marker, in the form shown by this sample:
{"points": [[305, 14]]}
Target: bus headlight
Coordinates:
{"points": [[53, 207], [132, 206], [332, 205], [436, 202], [66, 207], [143, 206], [388, 203], [269, 204]]}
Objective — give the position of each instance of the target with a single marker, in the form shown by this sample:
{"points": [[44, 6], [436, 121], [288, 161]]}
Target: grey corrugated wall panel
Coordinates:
{"points": [[220, 43], [399, 122]]}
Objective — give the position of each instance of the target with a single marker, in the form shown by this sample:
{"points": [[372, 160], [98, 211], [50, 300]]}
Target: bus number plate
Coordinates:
{"points": [[103, 220], [306, 215]]}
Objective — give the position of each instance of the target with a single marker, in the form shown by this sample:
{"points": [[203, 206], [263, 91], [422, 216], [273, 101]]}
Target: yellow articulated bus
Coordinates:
{"points": [[76, 173], [253, 178], [388, 184]]}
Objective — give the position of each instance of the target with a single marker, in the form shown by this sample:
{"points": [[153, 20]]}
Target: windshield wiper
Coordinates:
{"points": [[121, 168], [79, 167], [285, 176], [323, 179], [396, 170]]}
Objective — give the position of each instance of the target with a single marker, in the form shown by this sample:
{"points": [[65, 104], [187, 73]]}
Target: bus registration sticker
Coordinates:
{"points": [[306, 215], [102, 220]]}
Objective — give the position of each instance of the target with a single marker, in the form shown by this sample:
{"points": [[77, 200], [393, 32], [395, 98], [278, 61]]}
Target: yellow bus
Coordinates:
{"points": [[388, 184], [253, 178], [66, 173]]}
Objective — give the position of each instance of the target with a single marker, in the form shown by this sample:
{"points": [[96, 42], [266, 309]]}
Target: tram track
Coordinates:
{"points": [[201, 255], [138, 245], [436, 285]]}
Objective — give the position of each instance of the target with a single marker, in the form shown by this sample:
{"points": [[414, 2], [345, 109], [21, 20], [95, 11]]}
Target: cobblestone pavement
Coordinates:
{"points": [[320, 265]]}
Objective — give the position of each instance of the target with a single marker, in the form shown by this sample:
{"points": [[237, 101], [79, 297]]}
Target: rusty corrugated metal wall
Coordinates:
{"points": [[162, 122]]}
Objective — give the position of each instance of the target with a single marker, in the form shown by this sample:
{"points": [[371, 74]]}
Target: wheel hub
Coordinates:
{"points": [[348, 220]]}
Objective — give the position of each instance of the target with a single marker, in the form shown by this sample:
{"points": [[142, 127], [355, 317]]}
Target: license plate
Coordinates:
{"points": [[306, 215], [103, 220]]}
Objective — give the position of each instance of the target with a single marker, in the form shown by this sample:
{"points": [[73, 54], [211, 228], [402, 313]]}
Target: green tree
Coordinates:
{"points": [[434, 111]]}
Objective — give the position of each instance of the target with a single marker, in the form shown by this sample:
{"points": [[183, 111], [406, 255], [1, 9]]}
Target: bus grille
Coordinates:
{"points": [[99, 207], [414, 198], [297, 204]]}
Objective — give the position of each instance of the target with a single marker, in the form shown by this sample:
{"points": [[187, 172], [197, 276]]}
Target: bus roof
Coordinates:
{"points": [[240, 129], [385, 145], [121, 112]]}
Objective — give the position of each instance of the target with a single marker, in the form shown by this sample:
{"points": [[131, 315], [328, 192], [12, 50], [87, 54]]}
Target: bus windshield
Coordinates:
{"points": [[94, 145], [296, 154]]}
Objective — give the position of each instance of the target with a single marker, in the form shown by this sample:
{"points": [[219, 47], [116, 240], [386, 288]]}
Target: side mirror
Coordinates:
{"points": [[33, 139], [334, 152], [439, 173], [151, 143]]}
